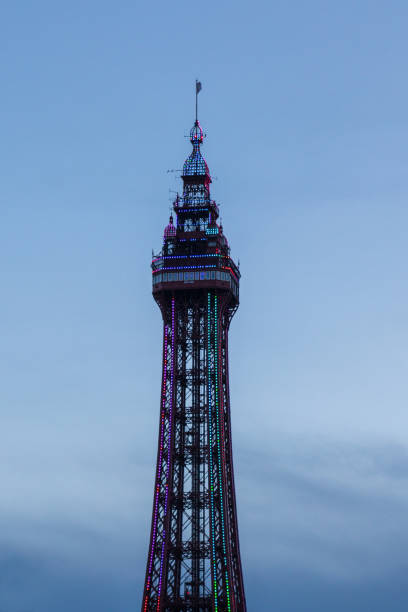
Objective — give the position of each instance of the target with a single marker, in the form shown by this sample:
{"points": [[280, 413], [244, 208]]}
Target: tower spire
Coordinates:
{"points": [[198, 89]]}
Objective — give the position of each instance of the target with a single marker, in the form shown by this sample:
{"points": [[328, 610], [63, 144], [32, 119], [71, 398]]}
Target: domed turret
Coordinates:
{"points": [[195, 165], [170, 231]]}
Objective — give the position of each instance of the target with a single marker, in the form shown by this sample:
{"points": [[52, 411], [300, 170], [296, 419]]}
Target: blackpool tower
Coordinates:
{"points": [[194, 560]]}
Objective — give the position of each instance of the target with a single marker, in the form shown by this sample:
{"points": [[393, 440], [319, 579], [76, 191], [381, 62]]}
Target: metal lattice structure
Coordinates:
{"points": [[194, 559]]}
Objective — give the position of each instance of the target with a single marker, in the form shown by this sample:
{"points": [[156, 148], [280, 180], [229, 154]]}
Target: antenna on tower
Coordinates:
{"points": [[198, 89]]}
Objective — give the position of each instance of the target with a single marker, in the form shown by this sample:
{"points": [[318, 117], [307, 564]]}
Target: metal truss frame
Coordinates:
{"points": [[194, 560]]}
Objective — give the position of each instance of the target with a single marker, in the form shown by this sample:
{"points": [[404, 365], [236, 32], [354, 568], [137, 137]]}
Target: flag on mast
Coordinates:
{"points": [[198, 87]]}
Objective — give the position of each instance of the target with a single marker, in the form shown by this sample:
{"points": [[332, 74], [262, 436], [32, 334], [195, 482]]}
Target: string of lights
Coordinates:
{"points": [[166, 498], [159, 463], [210, 400], [163, 257], [216, 358]]}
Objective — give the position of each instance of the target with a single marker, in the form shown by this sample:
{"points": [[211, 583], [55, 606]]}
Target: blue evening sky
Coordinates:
{"points": [[305, 109]]}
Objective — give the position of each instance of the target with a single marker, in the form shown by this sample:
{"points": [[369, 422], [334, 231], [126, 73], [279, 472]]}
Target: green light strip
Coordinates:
{"points": [[224, 546]]}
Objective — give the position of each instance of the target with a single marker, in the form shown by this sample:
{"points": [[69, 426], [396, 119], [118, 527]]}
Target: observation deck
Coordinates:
{"points": [[180, 277], [200, 270]]}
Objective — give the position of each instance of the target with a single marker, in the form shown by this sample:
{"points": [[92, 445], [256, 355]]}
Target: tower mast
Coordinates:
{"points": [[198, 89]]}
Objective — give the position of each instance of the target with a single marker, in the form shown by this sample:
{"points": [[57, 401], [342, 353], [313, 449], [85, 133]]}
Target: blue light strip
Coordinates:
{"points": [[163, 257], [188, 256], [184, 268], [191, 209]]}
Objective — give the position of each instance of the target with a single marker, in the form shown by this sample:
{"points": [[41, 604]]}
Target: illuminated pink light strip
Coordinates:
{"points": [[159, 466], [168, 447], [211, 475]]}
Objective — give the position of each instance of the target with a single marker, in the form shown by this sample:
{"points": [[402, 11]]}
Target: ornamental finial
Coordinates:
{"points": [[196, 134]]}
